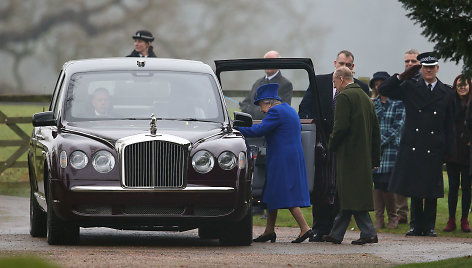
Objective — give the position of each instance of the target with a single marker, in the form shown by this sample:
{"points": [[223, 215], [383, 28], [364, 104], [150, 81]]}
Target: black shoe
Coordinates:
{"points": [[302, 238], [333, 240], [263, 238], [316, 238], [413, 232], [365, 240], [431, 233]]}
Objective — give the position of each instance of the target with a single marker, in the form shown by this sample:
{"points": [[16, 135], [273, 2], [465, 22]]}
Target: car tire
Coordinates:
{"points": [[60, 232], [208, 232], [38, 218], [238, 233]]}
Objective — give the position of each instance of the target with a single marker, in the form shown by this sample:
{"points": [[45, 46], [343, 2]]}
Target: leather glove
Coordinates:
{"points": [[410, 72]]}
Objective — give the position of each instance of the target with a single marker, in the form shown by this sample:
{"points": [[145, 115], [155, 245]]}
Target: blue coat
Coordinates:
{"points": [[286, 185]]}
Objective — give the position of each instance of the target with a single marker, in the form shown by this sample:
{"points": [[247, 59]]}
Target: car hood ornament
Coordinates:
{"points": [[153, 125], [141, 63]]}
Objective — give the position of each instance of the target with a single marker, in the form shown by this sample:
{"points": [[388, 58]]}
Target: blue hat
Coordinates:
{"points": [[378, 76], [267, 91], [427, 59]]}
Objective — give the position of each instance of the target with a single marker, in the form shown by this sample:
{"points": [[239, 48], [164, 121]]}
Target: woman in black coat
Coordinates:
{"points": [[458, 165], [143, 45]]}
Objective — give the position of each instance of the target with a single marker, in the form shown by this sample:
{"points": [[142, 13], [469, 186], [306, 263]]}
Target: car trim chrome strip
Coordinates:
{"points": [[122, 189]]}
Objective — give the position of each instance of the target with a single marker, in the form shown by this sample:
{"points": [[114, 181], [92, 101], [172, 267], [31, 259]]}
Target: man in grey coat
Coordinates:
{"points": [[355, 140], [272, 76]]}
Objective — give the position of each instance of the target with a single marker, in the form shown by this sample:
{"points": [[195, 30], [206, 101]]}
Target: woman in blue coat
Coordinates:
{"points": [[286, 185]]}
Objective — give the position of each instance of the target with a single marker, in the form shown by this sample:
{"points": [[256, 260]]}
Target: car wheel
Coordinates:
{"points": [[60, 232], [238, 233], [208, 232], [38, 218]]}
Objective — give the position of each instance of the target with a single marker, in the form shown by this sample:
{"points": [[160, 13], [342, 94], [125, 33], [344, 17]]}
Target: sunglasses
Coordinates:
{"points": [[412, 61]]}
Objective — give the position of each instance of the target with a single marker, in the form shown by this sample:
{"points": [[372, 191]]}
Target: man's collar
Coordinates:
{"points": [[272, 76]]}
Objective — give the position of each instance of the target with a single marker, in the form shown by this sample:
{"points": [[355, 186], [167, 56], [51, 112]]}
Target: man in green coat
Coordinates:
{"points": [[355, 139]]}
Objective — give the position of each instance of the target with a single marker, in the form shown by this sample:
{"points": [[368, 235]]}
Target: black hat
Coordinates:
{"points": [[144, 35], [378, 76], [427, 59]]}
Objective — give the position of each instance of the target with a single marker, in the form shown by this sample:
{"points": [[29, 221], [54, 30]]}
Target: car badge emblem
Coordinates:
{"points": [[141, 63], [153, 125]]}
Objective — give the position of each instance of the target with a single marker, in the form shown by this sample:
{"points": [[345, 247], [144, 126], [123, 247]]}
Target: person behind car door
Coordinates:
{"points": [[324, 207], [272, 76]]}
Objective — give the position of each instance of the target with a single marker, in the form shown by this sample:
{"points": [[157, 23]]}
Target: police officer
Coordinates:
{"points": [[143, 45], [428, 138]]}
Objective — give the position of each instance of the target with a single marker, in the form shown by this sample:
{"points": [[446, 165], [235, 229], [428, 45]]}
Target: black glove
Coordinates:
{"points": [[410, 72]]}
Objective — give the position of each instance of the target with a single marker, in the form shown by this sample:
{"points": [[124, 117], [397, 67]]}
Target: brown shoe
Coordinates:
{"points": [[392, 223], [451, 225], [402, 220], [465, 227], [331, 239], [365, 240]]}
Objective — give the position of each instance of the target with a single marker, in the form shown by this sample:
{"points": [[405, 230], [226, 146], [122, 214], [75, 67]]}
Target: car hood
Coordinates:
{"points": [[113, 130]]}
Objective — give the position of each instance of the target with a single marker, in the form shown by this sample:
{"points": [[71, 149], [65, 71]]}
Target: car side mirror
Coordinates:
{"points": [[44, 119], [242, 119]]}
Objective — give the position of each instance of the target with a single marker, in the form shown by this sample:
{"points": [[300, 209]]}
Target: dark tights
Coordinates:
{"points": [[458, 174]]}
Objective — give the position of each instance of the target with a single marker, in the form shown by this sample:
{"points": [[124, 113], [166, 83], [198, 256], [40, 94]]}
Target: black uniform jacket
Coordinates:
{"points": [[427, 139], [324, 83]]}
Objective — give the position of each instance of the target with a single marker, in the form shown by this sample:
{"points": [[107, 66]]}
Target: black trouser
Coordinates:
{"points": [[425, 213], [323, 218], [458, 174]]}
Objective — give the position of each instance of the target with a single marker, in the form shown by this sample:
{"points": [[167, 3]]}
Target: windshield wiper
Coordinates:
{"points": [[194, 119]]}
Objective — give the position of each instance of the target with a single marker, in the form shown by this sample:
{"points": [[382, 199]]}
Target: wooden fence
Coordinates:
{"points": [[12, 123], [23, 143]]}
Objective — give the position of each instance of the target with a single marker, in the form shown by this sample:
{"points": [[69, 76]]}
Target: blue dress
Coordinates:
{"points": [[286, 185]]}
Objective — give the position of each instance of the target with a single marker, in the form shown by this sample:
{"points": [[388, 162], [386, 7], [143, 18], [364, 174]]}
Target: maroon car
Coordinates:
{"points": [[139, 144]]}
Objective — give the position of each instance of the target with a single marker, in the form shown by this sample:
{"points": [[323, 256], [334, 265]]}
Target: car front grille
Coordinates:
{"points": [[155, 164]]}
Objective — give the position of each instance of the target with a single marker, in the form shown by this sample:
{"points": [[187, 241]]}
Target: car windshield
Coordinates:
{"points": [[137, 95]]}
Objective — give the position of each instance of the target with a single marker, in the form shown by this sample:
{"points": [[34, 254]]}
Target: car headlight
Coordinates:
{"points": [[203, 161], [103, 161], [78, 160], [227, 160]]}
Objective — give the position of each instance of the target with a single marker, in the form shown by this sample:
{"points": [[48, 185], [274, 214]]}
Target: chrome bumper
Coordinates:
{"points": [[115, 189]]}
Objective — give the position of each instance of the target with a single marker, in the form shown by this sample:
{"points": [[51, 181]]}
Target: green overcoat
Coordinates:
{"points": [[355, 139]]}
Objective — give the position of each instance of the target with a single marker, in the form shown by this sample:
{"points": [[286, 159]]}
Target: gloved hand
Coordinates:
{"points": [[410, 72]]}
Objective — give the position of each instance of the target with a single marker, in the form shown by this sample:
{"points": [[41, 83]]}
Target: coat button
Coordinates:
{"points": [[417, 130], [413, 148], [432, 132], [434, 112], [428, 151], [419, 110]]}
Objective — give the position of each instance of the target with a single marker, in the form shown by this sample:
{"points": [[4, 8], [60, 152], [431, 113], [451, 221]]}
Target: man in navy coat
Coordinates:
{"points": [[322, 198], [428, 138]]}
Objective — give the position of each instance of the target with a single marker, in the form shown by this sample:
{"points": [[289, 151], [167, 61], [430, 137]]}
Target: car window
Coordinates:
{"points": [[239, 88], [121, 95]]}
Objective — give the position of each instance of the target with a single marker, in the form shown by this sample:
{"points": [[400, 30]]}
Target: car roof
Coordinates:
{"points": [[131, 64]]}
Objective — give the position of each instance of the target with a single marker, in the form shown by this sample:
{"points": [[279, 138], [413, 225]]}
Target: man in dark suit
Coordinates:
{"points": [[428, 139], [323, 195], [272, 76]]}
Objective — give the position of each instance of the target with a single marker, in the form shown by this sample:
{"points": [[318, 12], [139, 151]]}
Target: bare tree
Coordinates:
{"points": [[51, 32]]}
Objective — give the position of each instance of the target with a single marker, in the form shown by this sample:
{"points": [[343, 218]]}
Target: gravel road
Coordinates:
{"points": [[102, 247]]}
